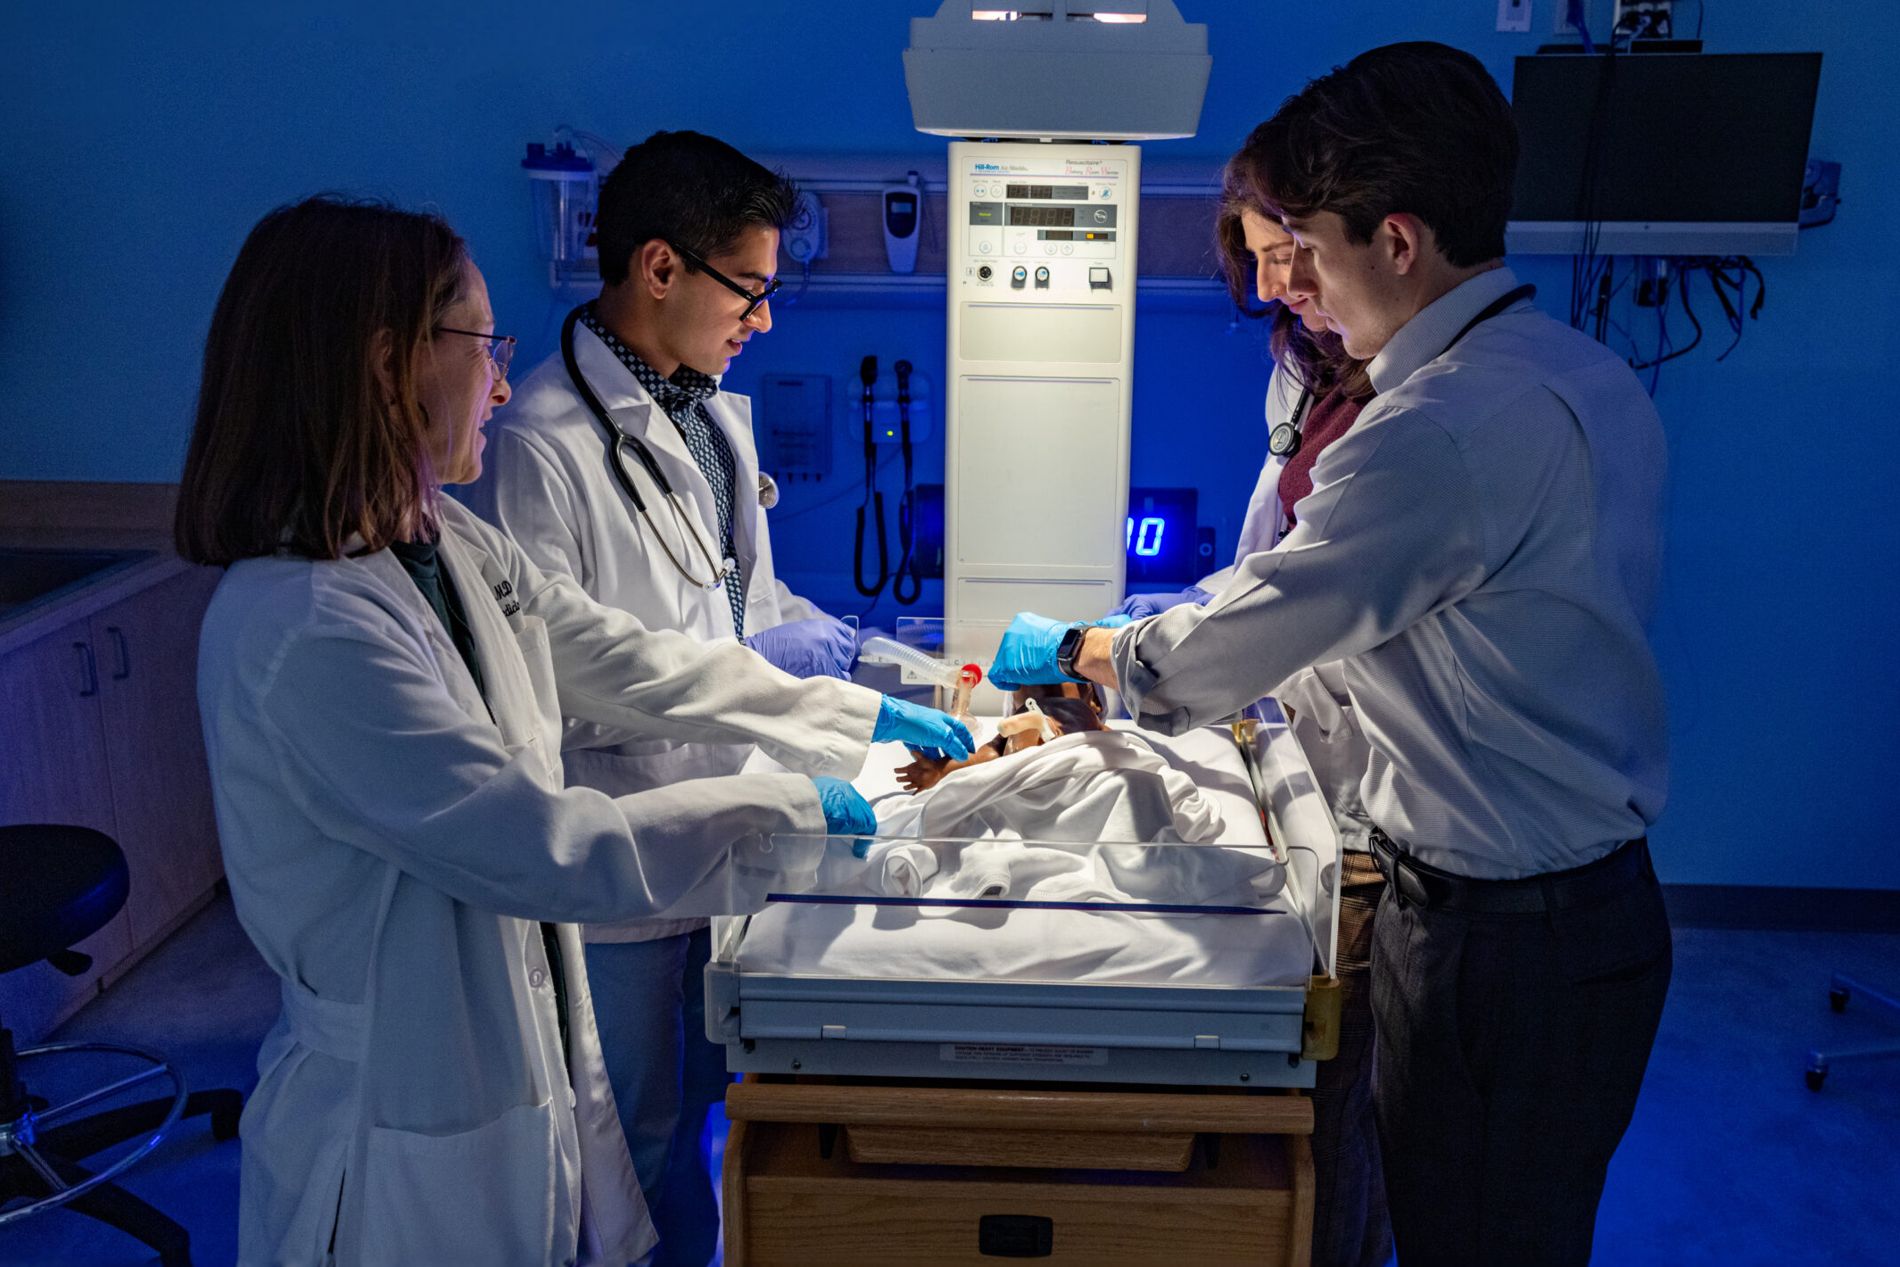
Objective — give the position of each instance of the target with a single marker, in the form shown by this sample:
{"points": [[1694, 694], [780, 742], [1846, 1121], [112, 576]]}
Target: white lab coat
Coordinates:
{"points": [[549, 482], [1321, 710], [391, 850]]}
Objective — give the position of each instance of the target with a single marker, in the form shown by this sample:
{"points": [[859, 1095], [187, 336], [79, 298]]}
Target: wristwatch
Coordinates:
{"points": [[1068, 649]]}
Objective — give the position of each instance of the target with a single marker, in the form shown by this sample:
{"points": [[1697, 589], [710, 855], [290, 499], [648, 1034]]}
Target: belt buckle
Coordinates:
{"points": [[1408, 887]]}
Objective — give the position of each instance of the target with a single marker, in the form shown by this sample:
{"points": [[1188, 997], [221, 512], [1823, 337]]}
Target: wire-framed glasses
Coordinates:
{"points": [[754, 299], [501, 347]]}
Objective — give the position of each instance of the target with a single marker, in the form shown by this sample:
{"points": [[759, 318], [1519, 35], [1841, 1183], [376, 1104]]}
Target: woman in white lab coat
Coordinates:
{"points": [[381, 679], [1314, 396]]}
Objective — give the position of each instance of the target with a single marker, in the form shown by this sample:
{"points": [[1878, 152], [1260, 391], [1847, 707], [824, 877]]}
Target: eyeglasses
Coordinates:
{"points": [[501, 347], [755, 299]]}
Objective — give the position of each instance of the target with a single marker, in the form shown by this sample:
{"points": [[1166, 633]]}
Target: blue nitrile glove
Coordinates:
{"points": [[1142, 606], [921, 727], [846, 812], [819, 647], [1114, 620], [1027, 656]]}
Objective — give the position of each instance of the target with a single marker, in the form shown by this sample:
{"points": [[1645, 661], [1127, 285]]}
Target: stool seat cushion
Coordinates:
{"points": [[59, 886]]}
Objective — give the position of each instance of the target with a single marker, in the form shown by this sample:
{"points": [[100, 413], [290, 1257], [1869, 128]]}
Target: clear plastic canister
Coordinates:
{"points": [[561, 182]]}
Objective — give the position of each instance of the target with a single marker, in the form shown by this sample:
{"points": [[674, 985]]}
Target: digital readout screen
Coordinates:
{"points": [[1075, 192], [1042, 217]]}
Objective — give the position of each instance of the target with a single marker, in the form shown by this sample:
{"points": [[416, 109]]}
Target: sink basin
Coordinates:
{"points": [[31, 576]]}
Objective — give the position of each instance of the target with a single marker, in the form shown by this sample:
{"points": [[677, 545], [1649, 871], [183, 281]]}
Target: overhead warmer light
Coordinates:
{"points": [[1094, 70]]}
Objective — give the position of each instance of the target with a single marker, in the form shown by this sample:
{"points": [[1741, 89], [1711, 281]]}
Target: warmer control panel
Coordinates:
{"points": [[1044, 228]]}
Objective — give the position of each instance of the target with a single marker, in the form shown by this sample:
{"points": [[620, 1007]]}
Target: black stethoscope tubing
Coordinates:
{"points": [[1285, 439], [619, 445], [907, 584]]}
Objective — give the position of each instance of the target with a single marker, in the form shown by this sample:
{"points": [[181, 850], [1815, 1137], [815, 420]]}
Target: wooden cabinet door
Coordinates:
{"points": [[53, 769], [148, 668]]}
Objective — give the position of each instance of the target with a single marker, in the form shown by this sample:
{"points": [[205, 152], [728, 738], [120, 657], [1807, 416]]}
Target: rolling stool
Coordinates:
{"points": [[1839, 990], [63, 885]]}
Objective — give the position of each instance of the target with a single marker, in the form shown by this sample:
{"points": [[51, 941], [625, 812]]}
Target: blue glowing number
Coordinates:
{"points": [[1153, 545], [1146, 543]]}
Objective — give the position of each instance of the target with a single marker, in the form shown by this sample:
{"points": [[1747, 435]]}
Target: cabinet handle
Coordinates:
{"points": [[125, 655], [88, 670]]}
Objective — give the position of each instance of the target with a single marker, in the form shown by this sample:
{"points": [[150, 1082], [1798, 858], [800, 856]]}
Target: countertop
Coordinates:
{"points": [[60, 515]]}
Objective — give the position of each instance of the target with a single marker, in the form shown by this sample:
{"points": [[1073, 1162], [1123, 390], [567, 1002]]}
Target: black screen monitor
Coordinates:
{"points": [[1695, 154]]}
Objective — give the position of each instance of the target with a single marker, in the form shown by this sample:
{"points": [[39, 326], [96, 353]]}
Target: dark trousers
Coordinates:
{"points": [[650, 1006], [1510, 1052], [1349, 1222]]}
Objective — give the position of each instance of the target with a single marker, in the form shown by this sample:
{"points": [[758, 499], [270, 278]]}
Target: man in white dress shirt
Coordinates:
{"points": [[1480, 552]]}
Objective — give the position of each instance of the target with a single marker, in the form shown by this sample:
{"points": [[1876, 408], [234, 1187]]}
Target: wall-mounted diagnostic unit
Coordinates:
{"points": [[903, 224]]}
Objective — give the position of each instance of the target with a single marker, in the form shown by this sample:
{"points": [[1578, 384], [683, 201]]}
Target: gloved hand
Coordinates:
{"points": [[922, 727], [846, 812], [1142, 606], [1027, 656], [1114, 620], [819, 647]]}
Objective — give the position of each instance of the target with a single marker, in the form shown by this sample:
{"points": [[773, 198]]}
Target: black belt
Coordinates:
{"points": [[1415, 883]]}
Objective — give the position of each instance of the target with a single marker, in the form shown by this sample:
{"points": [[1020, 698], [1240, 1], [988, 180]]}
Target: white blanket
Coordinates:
{"points": [[1087, 787], [1094, 785], [1139, 787]]}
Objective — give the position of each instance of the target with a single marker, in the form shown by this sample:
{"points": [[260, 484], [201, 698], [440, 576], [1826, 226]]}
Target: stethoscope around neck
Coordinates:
{"points": [[1285, 439], [620, 444]]}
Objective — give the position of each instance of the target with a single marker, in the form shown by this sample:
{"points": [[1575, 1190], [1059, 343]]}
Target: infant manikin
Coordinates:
{"points": [[1038, 714]]}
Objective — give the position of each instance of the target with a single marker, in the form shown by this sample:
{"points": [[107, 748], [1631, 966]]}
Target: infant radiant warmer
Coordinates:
{"points": [[1147, 963]]}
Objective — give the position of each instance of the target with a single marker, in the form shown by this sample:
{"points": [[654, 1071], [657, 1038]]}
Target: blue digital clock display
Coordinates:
{"points": [[1160, 536]]}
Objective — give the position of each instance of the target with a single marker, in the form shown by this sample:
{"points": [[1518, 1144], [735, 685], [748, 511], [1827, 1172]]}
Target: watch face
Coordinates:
{"points": [[1069, 648]]}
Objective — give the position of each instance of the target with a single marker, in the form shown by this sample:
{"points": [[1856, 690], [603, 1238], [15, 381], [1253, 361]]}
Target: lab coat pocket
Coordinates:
{"points": [[1616, 941], [480, 1196]]}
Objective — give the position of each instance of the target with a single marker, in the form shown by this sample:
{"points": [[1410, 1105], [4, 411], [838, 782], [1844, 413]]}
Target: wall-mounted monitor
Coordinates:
{"points": [[1661, 153]]}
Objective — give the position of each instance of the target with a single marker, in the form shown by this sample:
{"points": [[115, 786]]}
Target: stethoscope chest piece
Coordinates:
{"points": [[1284, 440]]}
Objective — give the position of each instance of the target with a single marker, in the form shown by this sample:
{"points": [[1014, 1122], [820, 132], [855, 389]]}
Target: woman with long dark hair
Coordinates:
{"points": [[383, 680], [1313, 398]]}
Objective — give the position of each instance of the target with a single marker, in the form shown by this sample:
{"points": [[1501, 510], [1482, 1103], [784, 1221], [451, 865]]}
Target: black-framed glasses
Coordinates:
{"points": [[754, 299], [501, 347]]}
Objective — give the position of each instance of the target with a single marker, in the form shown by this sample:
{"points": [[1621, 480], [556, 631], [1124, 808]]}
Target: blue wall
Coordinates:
{"points": [[142, 143]]}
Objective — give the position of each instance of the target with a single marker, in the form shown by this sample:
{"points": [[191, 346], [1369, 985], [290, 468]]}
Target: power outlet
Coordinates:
{"points": [[1514, 15], [1645, 19]]}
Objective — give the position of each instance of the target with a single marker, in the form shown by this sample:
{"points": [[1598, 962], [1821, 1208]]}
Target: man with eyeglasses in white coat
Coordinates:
{"points": [[688, 232]]}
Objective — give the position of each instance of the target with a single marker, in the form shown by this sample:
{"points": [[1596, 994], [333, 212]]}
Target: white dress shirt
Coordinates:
{"points": [[1481, 550]]}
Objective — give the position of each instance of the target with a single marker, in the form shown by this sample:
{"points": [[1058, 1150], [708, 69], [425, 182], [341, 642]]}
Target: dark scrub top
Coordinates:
{"points": [[424, 565]]}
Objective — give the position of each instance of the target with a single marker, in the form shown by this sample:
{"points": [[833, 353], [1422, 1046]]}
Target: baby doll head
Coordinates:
{"points": [[1067, 707]]}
